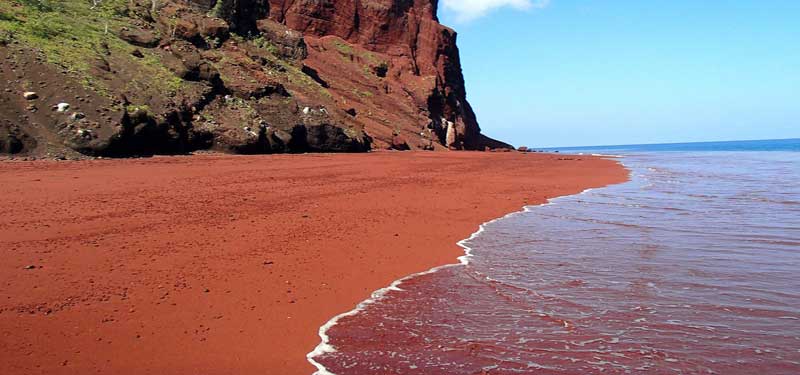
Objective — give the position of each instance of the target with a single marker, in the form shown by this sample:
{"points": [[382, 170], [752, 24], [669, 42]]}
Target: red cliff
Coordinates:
{"points": [[423, 69], [239, 76]]}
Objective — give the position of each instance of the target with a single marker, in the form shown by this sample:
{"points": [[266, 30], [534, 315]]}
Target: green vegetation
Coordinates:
{"points": [[40, 5], [297, 77], [5, 38], [346, 50], [363, 94], [352, 132], [207, 117], [379, 70], [133, 108], [158, 74], [74, 35], [46, 26], [216, 11], [370, 57], [213, 42], [7, 17], [374, 64], [66, 31], [263, 43], [294, 74], [343, 48]]}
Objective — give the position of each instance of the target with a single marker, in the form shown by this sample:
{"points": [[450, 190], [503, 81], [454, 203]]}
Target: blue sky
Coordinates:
{"points": [[591, 72]]}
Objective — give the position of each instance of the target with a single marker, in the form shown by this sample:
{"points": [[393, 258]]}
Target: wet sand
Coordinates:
{"points": [[229, 264]]}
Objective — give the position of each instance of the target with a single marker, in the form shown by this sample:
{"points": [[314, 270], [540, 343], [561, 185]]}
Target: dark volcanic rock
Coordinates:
{"points": [[288, 43], [192, 65], [140, 38], [311, 72], [242, 15], [14, 140], [245, 89], [399, 143], [324, 138]]}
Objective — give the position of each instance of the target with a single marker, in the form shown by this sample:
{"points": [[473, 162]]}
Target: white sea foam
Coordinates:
{"points": [[609, 156], [599, 155], [324, 347]]}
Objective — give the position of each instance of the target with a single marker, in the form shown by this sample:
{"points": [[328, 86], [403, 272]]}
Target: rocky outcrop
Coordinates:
{"points": [[239, 76], [138, 37], [14, 140], [242, 15], [418, 55], [287, 43]]}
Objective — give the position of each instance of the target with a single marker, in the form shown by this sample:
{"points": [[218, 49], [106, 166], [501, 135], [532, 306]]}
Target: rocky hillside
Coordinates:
{"points": [[141, 77]]}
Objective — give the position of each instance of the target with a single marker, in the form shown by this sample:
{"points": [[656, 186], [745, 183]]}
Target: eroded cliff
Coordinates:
{"points": [[135, 77]]}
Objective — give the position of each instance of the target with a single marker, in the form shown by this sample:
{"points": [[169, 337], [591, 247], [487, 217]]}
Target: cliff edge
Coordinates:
{"points": [[141, 77]]}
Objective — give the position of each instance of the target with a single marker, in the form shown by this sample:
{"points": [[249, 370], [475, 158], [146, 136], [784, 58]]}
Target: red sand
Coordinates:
{"points": [[229, 264]]}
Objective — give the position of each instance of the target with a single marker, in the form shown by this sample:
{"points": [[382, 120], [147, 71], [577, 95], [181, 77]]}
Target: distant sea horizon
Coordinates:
{"points": [[783, 144]]}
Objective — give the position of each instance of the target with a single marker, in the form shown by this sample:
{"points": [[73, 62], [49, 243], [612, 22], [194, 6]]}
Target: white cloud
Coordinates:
{"points": [[467, 10]]}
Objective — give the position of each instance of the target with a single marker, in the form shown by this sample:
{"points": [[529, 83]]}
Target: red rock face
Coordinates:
{"points": [[424, 70], [249, 76]]}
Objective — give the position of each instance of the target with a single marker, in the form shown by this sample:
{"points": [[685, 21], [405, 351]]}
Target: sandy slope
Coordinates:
{"points": [[229, 264]]}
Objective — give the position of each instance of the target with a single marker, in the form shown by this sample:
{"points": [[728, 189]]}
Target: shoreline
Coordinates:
{"points": [[325, 347], [234, 306]]}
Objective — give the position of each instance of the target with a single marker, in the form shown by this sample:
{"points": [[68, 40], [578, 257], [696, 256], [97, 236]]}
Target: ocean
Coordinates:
{"points": [[691, 267]]}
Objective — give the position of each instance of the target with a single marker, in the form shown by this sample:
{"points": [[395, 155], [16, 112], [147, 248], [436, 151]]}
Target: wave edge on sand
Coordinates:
{"points": [[324, 347]]}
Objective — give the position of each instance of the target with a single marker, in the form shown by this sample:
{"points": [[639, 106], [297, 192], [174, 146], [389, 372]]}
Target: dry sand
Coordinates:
{"points": [[229, 264]]}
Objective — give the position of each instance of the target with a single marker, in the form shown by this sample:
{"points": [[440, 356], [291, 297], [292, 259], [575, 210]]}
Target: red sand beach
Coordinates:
{"points": [[229, 264]]}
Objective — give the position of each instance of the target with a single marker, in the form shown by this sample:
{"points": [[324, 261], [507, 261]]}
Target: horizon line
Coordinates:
{"points": [[674, 143]]}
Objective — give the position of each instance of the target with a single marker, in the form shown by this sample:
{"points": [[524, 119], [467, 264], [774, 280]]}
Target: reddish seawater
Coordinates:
{"points": [[693, 267]]}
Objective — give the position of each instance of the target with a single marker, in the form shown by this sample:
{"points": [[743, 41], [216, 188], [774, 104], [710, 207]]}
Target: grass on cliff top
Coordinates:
{"points": [[72, 35]]}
